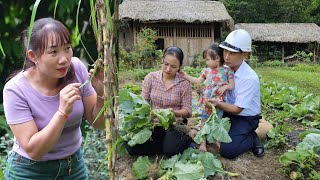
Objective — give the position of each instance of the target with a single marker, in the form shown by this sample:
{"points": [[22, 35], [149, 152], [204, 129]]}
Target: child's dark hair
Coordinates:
{"points": [[174, 51], [214, 51], [44, 29]]}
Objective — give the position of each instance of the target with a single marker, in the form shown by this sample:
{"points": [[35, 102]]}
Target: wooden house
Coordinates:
{"points": [[287, 37], [190, 25]]}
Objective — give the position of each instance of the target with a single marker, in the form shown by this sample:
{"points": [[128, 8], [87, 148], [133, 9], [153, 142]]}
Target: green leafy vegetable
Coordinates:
{"points": [[165, 116], [135, 124], [140, 167], [215, 129]]}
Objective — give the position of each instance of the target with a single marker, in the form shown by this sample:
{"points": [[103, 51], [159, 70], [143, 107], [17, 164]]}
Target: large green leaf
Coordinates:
{"points": [[169, 163], [141, 137], [215, 129], [310, 142], [188, 171], [298, 156], [202, 134], [303, 134], [210, 163], [165, 116], [220, 131], [141, 167]]}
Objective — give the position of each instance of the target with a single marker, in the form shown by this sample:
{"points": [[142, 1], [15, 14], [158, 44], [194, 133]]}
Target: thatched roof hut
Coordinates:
{"points": [[284, 33], [191, 25], [174, 11]]}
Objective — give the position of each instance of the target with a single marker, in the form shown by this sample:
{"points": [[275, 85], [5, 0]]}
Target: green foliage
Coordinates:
{"points": [[140, 167], [135, 125], [302, 135], [194, 72], [278, 135], [304, 158], [4, 127], [305, 57], [272, 63], [297, 104], [135, 89], [165, 116], [214, 129], [198, 61], [139, 74], [303, 80], [94, 152], [144, 53], [192, 164], [305, 67], [286, 11]]}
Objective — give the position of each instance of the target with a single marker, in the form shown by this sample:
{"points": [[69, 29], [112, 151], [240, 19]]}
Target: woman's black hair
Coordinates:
{"points": [[44, 29], [214, 51], [174, 51]]}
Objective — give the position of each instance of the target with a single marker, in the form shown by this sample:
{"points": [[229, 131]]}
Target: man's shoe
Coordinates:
{"points": [[258, 149]]}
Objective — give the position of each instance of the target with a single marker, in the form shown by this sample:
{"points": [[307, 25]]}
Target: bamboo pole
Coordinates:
{"points": [[110, 81], [116, 87]]}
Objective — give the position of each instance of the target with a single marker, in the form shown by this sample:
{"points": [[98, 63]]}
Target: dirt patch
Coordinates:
{"points": [[247, 166]]}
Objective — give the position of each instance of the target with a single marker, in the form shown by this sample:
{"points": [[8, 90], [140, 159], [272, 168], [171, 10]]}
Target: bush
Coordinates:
{"points": [[144, 53], [198, 61], [273, 63], [139, 74], [94, 152], [305, 68]]}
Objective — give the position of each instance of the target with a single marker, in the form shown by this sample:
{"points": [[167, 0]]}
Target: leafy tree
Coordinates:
{"points": [[273, 11]]}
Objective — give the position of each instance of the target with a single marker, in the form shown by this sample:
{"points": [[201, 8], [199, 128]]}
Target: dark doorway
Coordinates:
{"points": [[160, 43]]}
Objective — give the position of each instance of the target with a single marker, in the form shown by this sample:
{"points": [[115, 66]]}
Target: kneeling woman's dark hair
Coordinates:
{"points": [[174, 51]]}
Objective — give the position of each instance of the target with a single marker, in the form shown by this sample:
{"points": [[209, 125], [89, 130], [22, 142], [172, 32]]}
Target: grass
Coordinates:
{"points": [[304, 81]]}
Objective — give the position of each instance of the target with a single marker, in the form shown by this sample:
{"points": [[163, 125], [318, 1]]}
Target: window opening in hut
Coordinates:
{"points": [[217, 32], [160, 43], [189, 31]]}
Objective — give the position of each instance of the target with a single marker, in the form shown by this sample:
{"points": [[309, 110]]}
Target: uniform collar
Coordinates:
{"points": [[241, 69]]}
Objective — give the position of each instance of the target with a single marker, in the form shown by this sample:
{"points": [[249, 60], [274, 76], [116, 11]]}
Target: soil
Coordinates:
{"points": [[247, 166]]}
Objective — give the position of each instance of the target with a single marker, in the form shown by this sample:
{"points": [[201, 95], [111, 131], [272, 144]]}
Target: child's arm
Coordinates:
{"points": [[191, 79], [228, 86], [231, 84]]}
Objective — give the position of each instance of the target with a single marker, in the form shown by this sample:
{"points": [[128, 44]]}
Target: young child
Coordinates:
{"points": [[216, 78]]}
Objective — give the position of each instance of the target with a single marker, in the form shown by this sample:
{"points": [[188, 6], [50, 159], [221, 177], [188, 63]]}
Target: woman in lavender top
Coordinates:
{"points": [[44, 107]]}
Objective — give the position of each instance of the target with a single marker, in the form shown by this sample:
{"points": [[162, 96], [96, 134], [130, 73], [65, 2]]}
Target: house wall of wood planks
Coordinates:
{"points": [[191, 38]]}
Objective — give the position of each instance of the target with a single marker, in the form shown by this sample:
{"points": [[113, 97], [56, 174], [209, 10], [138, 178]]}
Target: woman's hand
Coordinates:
{"points": [[97, 80], [203, 147], [68, 95]]}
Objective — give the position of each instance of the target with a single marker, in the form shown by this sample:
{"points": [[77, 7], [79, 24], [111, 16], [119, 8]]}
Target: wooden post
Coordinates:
{"points": [[283, 53], [314, 53], [134, 28], [318, 50], [212, 33], [174, 34]]}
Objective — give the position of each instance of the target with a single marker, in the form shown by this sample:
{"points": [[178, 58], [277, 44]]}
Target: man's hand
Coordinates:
{"points": [[211, 102]]}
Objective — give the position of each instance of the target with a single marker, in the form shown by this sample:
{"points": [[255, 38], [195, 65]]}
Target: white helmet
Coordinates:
{"points": [[237, 41]]}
